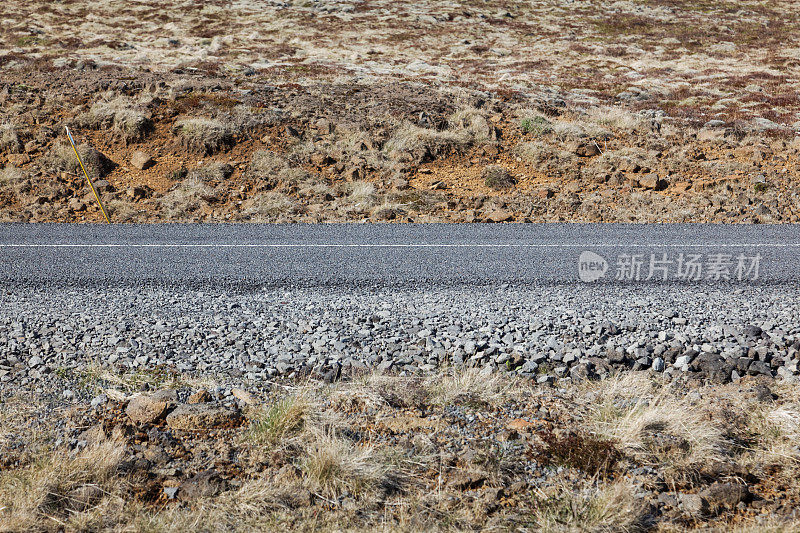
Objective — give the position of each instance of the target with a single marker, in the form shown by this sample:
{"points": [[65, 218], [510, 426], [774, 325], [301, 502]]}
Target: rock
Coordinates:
{"points": [[499, 215], [206, 484], [167, 395], [752, 331], [725, 495], [693, 504], [202, 416], [759, 368], [82, 498], [763, 393], [584, 148], [761, 124], [716, 367], [519, 424], [99, 400], [141, 160], [138, 192], [244, 396], [144, 409], [581, 372], [201, 396], [103, 185], [18, 159], [76, 205], [652, 181], [658, 364]]}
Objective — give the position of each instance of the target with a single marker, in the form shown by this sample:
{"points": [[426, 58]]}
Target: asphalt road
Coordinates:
{"points": [[396, 255]]}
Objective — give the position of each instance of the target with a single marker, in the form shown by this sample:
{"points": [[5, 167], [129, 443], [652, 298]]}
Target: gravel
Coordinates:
{"points": [[560, 332]]}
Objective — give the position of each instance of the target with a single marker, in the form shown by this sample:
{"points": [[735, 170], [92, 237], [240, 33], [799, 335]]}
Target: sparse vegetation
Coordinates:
{"points": [[205, 135], [387, 451], [333, 465], [632, 93], [267, 207], [61, 158], [604, 508], [126, 122], [212, 172], [9, 140], [497, 178], [187, 199], [536, 125], [276, 423]]}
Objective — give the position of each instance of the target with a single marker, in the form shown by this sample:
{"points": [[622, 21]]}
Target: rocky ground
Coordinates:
{"points": [[402, 410], [455, 451], [434, 111]]}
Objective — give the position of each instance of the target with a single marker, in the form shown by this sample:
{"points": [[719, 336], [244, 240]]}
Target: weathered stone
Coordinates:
{"points": [[141, 161], [584, 148], [206, 484], [652, 181], [693, 504], [202, 416], [201, 396], [499, 215], [244, 396], [76, 205], [725, 495], [144, 409]]}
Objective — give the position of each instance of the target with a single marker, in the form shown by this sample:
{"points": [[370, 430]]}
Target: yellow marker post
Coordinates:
{"points": [[91, 185]]}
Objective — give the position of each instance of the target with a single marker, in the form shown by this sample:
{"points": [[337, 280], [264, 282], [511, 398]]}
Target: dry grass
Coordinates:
{"points": [[498, 178], [72, 491], [186, 201], [268, 207], [11, 177], [212, 172], [618, 119], [658, 428], [9, 140], [61, 158], [415, 144], [388, 211], [127, 123], [270, 170], [474, 122], [608, 508], [333, 465], [472, 383], [539, 153], [279, 421], [205, 135], [336, 469]]}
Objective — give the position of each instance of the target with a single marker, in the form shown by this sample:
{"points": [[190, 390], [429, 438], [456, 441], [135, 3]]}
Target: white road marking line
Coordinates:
{"points": [[403, 245]]}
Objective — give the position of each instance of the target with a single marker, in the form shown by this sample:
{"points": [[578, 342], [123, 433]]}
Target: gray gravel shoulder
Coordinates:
{"points": [[555, 333]]}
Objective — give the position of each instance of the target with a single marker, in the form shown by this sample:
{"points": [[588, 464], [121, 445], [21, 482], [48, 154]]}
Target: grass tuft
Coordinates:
{"points": [[205, 135], [275, 423]]}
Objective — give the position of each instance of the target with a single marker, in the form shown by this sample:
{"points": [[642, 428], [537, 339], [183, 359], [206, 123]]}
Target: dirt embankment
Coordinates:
{"points": [[369, 110]]}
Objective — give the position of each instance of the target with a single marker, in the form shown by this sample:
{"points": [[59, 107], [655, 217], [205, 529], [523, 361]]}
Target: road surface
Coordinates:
{"points": [[395, 255]]}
